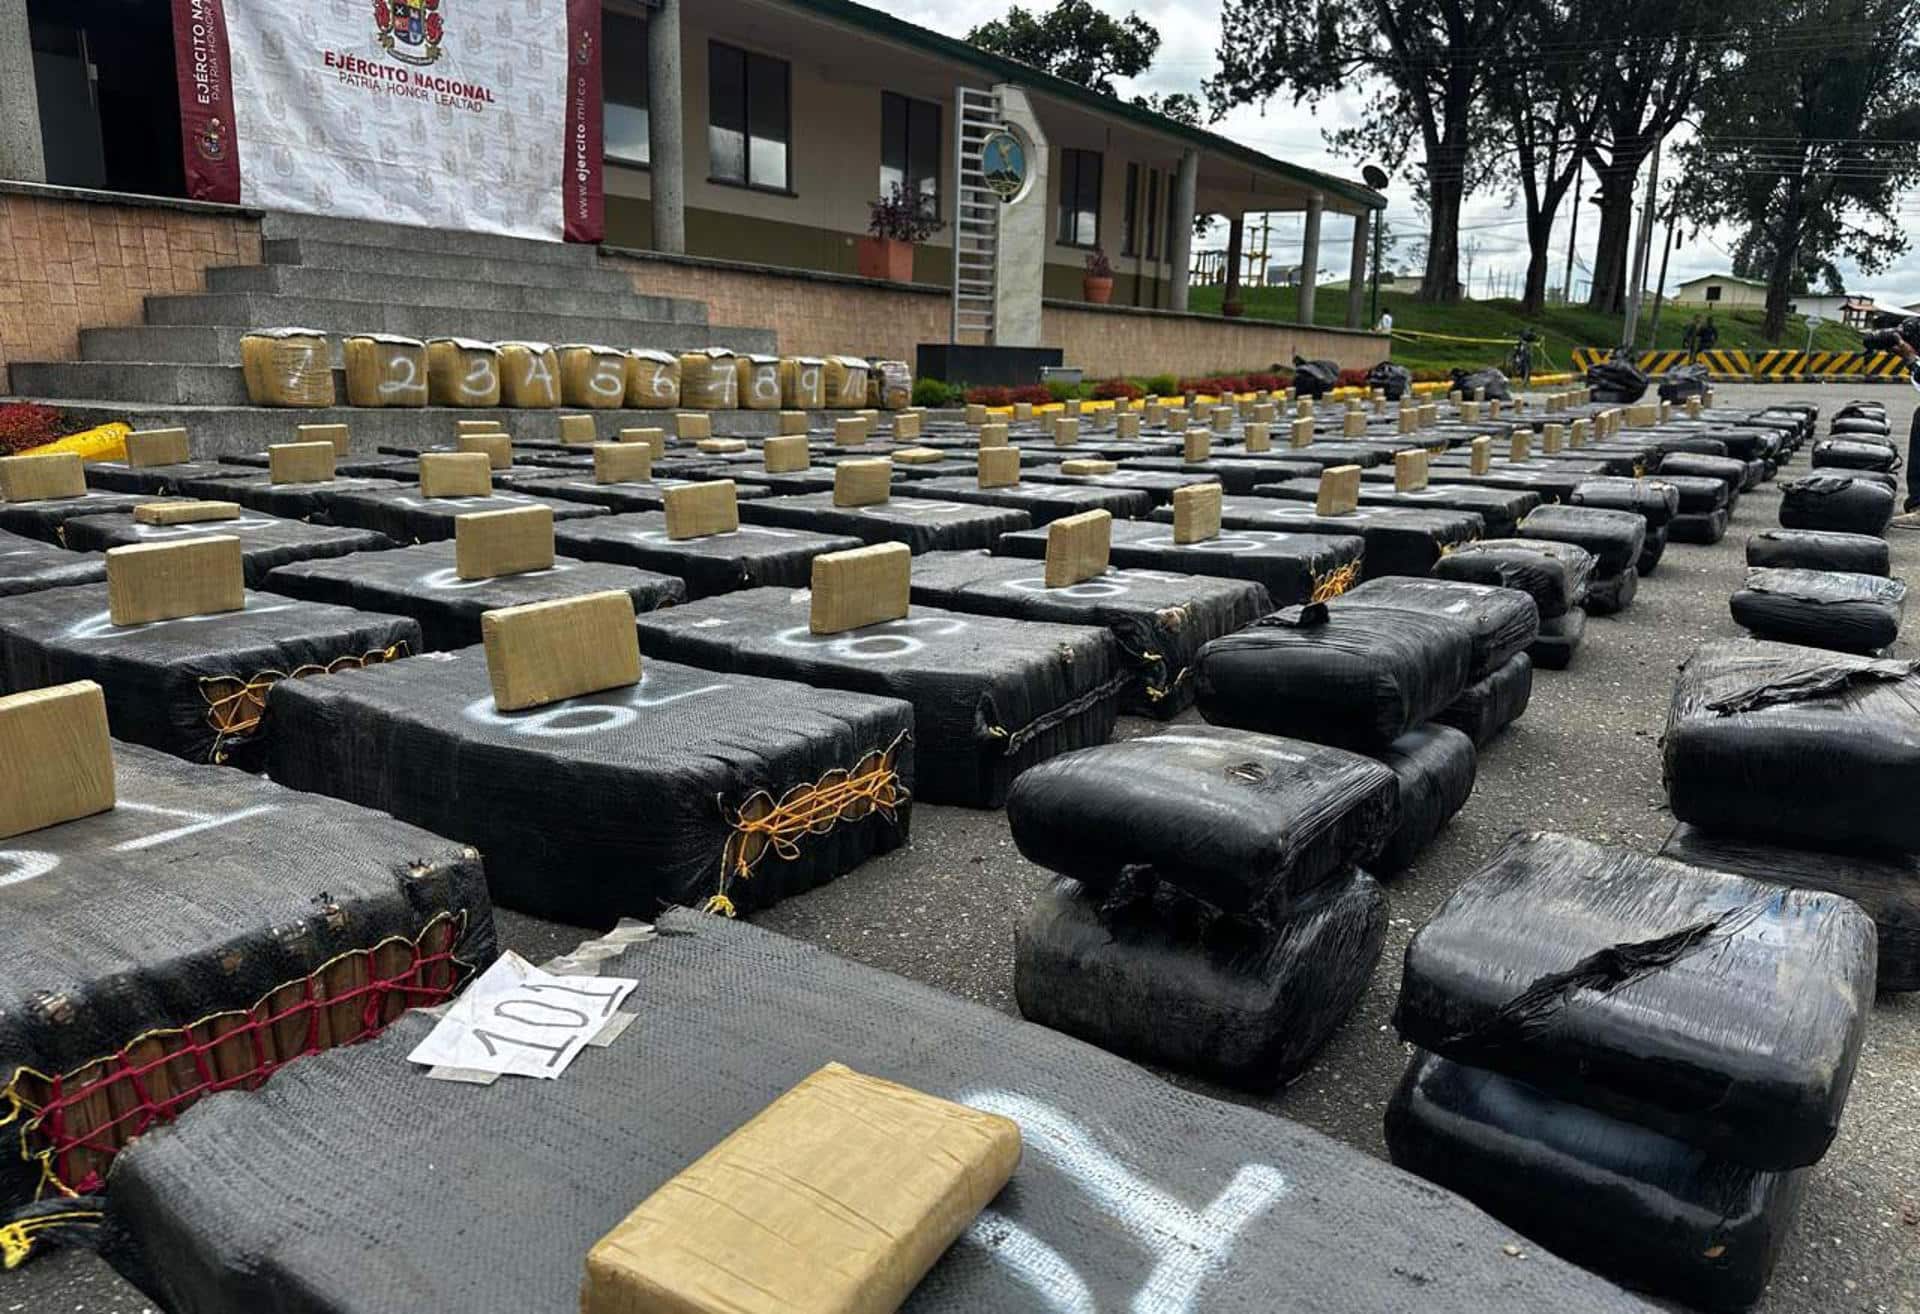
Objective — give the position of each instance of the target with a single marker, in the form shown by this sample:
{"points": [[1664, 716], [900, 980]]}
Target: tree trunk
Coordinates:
{"points": [[1613, 252], [1539, 233], [1445, 191]]}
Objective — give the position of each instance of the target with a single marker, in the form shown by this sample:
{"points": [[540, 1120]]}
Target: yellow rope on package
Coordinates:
{"points": [[16, 1239]]}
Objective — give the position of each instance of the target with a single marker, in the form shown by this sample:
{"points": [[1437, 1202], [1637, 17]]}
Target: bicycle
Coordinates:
{"points": [[1520, 361]]}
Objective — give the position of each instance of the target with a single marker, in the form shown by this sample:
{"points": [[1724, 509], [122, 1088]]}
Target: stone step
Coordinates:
{"points": [[402, 237], [225, 430], [219, 344], [311, 253], [305, 282], [536, 323]]}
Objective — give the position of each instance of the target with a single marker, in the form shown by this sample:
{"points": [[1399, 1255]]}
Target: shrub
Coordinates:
{"points": [[934, 394], [1161, 385], [1116, 390], [989, 396], [903, 216], [1270, 382], [1353, 378], [1060, 391], [1036, 394]]}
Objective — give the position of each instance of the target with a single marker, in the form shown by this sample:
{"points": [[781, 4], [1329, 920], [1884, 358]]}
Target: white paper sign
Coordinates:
{"points": [[517, 1020]]}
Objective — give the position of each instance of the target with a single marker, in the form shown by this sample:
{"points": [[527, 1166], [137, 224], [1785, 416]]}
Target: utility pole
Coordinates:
{"points": [[1573, 232], [1642, 250], [1660, 289]]}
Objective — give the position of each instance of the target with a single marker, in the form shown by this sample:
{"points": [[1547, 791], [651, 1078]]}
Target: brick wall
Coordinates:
{"points": [[68, 264], [818, 315]]}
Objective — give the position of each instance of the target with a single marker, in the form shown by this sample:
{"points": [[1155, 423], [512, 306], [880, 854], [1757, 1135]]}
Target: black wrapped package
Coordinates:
{"points": [[265, 541], [1684, 382], [209, 928], [1812, 549], [1878, 478], [1885, 885], [163, 480], [46, 520], [1293, 568], [620, 498], [1158, 485], [424, 582], [256, 492], [1560, 637], [197, 686], [1617, 382], [1699, 527], [1499, 509], [1503, 622], [1359, 678], [1728, 470], [991, 697], [1435, 766], [1551, 481], [1042, 503], [1652, 550], [1646, 1210], [1159, 619], [923, 524], [27, 565], [690, 787], [1694, 494], [745, 558], [1247, 822], [1161, 977], [1855, 454], [1555, 575], [1130, 1193], [1314, 378], [1859, 423], [1400, 540], [1801, 744], [1488, 706], [1821, 608], [1489, 384], [1237, 474], [1610, 596], [399, 512], [1836, 502], [1724, 1012], [1615, 538], [1396, 381]]}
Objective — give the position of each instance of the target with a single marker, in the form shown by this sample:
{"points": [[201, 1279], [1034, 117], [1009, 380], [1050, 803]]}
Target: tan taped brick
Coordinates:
{"points": [[1480, 455], [1257, 436], [976, 415], [338, 434], [1408, 419], [655, 440], [1303, 407], [1088, 465], [919, 456], [1023, 410], [1339, 491], [1578, 432], [186, 577], [1176, 421], [455, 474], [692, 426], [184, 513], [1126, 425], [1353, 424], [787, 454], [1078, 547], [622, 463], [1300, 431], [1000, 467], [850, 431], [993, 435], [488, 544], [545, 652], [1552, 438], [721, 446], [579, 430], [58, 737], [1521, 448], [907, 425], [1410, 471], [792, 422], [1196, 513], [1197, 446], [860, 587], [300, 463], [150, 447], [42, 478], [697, 510], [1066, 430], [478, 426], [496, 447], [862, 483]]}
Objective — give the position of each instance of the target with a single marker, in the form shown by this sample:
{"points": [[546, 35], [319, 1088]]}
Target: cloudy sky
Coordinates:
{"points": [[1189, 30]]}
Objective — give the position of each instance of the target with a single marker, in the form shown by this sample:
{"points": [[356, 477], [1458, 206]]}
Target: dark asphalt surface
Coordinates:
{"points": [[1584, 760]]}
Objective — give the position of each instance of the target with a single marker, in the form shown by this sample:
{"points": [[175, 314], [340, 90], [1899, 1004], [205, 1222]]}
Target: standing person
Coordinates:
{"points": [[1386, 322], [1709, 335], [1691, 339]]}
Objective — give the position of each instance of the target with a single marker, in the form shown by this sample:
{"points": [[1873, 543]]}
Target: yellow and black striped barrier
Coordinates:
{"points": [[1774, 366]]}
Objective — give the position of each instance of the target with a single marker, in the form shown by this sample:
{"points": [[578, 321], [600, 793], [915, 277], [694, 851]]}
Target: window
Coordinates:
{"points": [[623, 65], [1130, 215], [1153, 214], [747, 118], [1713, 292], [910, 148], [1173, 238], [1079, 198]]}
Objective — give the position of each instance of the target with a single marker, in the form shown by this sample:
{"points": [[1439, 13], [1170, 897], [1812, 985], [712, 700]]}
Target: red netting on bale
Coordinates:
{"points": [[74, 1123]]}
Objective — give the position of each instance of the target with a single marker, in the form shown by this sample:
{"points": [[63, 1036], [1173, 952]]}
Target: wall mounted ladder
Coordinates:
{"points": [[976, 216]]}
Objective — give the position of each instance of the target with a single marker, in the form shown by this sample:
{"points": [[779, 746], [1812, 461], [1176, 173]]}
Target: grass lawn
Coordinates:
{"points": [[1561, 328]]}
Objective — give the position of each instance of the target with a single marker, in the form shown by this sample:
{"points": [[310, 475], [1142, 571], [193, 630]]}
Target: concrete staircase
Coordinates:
{"points": [[182, 366]]}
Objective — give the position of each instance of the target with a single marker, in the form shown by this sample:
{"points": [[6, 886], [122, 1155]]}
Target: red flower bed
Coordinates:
{"points": [[1116, 390], [1033, 392], [28, 424]]}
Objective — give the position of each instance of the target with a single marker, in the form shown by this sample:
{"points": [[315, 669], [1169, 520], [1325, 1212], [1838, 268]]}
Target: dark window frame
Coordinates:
{"points": [[1130, 212], [607, 98], [907, 104], [1713, 292], [1153, 214], [745, 181], [1078, 157]]}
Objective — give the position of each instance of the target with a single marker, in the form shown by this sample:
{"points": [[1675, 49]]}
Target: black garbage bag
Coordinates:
{"points": [[1489, 384], [1651, 1212], [206, 894], [1488, 706], [1248, 822], [1684, 382], [1560, 637], [1839, 502], [1812, 549], [1864, 425], [1614, 537], [1855, 454], [1703, 528], [1654, 500], [1858, 409], [1396, 381], [1359, 679], [1314, 378], [1821, 608], [252, 1199], [1720, 1011], [1617, 382], [266, 542], [1653, 549], [28, 565], [1886, 885], [1504, 621], [1555, 575], [1159, 976], [1798, 744], [1614, 594], [1435, 765]]}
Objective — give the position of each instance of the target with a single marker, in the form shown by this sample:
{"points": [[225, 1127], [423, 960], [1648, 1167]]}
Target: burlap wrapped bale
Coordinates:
{"points": [[287, 367], [385, 369]]}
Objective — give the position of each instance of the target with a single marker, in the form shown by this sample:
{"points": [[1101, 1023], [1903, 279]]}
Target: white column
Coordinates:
{"points": [[1020, 252], [22, 157], [1357, 279], [666, 134], [1310, 256], [1186, 188]]}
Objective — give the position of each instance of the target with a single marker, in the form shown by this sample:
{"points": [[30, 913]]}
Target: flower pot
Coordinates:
{"points": [[1098, 291], [886, 257]]}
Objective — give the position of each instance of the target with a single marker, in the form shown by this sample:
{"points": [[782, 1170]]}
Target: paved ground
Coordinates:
{"points": [[1584, 760]]}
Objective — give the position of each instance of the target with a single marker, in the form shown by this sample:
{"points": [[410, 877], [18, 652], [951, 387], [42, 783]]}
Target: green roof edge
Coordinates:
{"points": [[1012, 70]]}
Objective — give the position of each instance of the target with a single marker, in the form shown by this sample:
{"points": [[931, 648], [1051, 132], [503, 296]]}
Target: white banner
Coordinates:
{"points": [[457, 114]]}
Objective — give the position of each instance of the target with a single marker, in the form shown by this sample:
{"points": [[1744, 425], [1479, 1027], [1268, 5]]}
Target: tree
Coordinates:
{"points": [[1075, 41], [1176, 105], [1808, 137], [1430, 59]]}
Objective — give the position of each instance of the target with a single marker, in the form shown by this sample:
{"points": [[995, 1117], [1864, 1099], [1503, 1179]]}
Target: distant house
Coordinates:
{"points": [[1718, 291]]}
